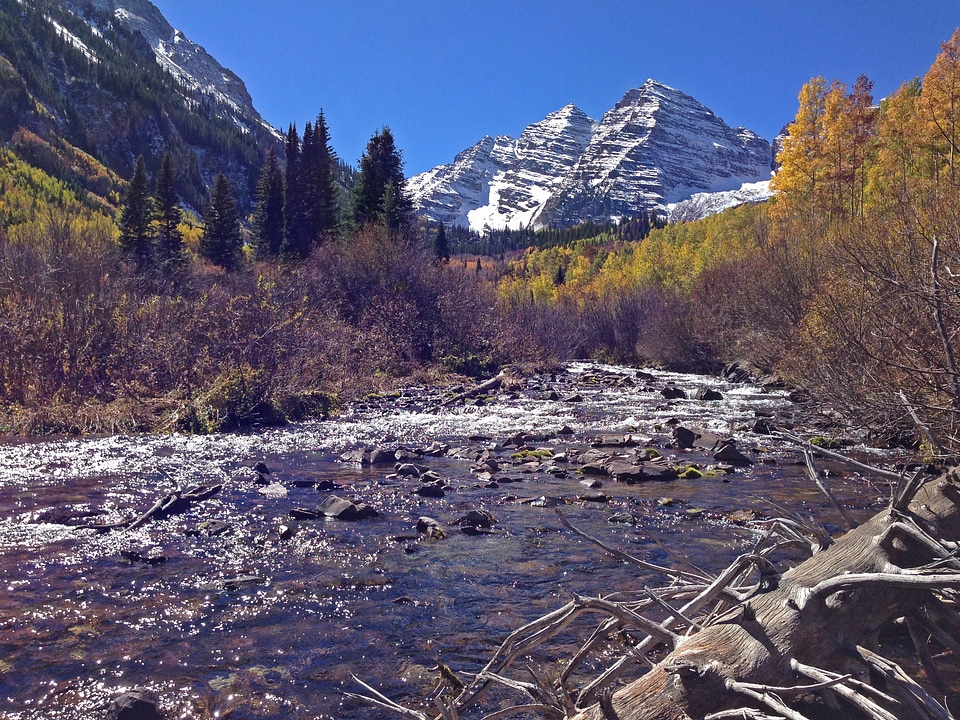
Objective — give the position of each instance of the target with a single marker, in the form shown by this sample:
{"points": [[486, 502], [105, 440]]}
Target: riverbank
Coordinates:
{"points": [[258, 599]]}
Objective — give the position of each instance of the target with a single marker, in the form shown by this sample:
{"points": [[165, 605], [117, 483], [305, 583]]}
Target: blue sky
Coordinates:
{"points": [[444, 73]]}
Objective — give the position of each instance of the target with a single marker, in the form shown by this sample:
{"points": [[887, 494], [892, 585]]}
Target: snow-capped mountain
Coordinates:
{"points": [[656, 147], [501, 181], [188, 62]]}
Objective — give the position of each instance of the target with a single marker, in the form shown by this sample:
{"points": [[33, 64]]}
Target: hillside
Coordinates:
{"points": [[112, 80]]}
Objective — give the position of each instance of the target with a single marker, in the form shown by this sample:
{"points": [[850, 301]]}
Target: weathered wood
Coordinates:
{"points": [[491, 384], [735, 648], [818, 615]]}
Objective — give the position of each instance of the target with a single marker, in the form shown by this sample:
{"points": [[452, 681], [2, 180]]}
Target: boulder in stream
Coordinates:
{"points": [[135, 704], [342, 509]]}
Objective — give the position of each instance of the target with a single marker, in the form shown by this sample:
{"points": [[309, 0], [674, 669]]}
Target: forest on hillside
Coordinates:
{"points": [[846, 283]]}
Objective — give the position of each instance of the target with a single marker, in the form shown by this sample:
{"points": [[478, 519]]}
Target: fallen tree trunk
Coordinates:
{"points": [[815, 625], [799, 646]]}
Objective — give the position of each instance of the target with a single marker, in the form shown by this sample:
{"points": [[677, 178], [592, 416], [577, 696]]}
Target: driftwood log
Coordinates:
{"points": [[754, 644]]}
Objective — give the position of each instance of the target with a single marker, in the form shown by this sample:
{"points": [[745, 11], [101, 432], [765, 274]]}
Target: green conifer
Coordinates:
{"points": [[380, 194], [169, 236], [268, 214], [221, 241], [441, 247], [136, 216]]}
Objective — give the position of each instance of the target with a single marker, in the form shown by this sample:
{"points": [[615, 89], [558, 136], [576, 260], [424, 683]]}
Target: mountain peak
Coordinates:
{"points": [[655, 147]]}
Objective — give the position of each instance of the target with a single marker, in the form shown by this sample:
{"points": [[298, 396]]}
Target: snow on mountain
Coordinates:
{"points": [[450, 192], [700, 205], [187, 61], [504, 182], [657, 146]]}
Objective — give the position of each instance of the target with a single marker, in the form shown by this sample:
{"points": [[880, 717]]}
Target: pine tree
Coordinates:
{"points": [[441, 247], [293, 198], [268, 214], [324, 195], [221, 240], [307, 224], [379, 194], [169, 236], [136, 216]]}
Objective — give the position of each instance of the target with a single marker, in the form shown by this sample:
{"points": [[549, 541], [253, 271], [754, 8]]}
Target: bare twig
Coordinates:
{"points": [[670, 572], [825, 489]]}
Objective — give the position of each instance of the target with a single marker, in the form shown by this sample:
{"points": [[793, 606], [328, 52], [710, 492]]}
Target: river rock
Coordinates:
{"points": [[430, 490], [342, 509], [709, 394], [672, 392], [623, 471], [729, 454], [408, 470], [684, 437], [658, 472], [594, 496], [614, 441], [476, 519], [136, 704]]}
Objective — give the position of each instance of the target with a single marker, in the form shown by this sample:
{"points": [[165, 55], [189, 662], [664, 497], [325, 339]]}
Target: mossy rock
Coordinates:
{"points": [[690, 473], [537, 454], [826, 443]]}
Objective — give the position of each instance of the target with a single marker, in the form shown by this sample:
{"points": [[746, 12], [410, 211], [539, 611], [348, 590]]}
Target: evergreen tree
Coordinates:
{"points": [[307, 224], [293, 198], [324, 191], [379, 194], [441, 247], [136, 216], [268, 214], [169, 236], [221, 240]]}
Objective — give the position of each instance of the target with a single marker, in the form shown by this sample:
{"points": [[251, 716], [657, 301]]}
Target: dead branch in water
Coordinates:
{"points": [[757, 645]]}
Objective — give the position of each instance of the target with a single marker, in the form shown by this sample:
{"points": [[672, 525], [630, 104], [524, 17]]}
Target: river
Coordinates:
{"points": [[233, 608]]}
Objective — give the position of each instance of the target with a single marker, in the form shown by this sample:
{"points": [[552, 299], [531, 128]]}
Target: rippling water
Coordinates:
{"points": [[256, 622]]}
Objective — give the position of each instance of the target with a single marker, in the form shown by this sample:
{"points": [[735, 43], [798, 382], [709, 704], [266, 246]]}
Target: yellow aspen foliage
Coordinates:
{"points": [[801, 157], [940, 106]]}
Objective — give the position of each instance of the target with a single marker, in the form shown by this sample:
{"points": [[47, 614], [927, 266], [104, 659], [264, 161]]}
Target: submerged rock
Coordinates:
{"points": [[136, 704], [476, 519], [342, 509]]}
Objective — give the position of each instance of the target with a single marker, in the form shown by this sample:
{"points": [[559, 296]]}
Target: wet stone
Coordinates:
{"points": [[342, 509], [476, 519], [622, 518], [709, 394], [408, 470], [729, 454], [432, 490], [136, 704], [594, 496]]}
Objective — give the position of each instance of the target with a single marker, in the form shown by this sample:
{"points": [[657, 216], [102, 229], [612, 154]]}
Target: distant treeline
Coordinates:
{"points": [[498, 242]]}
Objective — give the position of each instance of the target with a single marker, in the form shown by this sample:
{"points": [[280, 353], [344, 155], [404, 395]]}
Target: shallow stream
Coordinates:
{"points": [[234, 609]]}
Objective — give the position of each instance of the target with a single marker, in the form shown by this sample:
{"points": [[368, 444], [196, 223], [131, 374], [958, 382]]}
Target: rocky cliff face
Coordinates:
{"points": [[656, 147], [112, 80], [187, 61]]}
